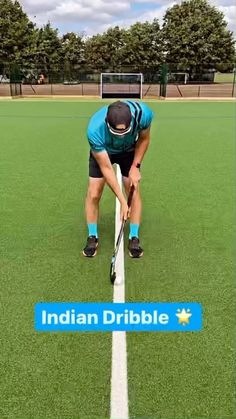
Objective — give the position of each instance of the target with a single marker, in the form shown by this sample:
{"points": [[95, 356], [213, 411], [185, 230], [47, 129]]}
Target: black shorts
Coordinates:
{"points": [[124, 160]]}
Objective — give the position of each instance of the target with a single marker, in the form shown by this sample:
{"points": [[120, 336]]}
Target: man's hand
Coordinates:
{"points": [[124, 211], [134, 176]]}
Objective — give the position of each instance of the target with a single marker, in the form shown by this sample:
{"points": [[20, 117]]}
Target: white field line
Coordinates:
{"points": [[119, 382]]}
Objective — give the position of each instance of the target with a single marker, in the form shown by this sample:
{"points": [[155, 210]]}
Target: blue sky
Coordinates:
{"points": [[142, 7], [96, 16]]}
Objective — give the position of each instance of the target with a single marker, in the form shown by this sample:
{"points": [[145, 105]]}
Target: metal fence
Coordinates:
{"points": [[177, 85]]}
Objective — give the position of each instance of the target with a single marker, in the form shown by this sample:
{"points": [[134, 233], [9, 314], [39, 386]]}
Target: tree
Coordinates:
{"points": [[94, 52], [115, 44], [73, 48], [138, 48], [103, 51], [72, 53], [196, 37], [17, 34], [48, 51], [143, 47]]}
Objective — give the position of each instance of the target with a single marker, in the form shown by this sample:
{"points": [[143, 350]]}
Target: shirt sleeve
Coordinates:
{"points": [[96, 142], [147, 116]]}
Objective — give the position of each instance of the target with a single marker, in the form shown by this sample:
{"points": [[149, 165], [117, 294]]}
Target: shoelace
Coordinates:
{"points": [[91, 242], [135, 243]]}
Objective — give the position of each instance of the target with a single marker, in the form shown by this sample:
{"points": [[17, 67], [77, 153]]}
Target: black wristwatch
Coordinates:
{"points": [[138, 165]]}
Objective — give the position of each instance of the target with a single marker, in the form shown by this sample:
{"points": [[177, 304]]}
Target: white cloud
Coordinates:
{"points": [[41, 6], [230, 16], [154, 2], [75, 11], [126, 22], [222, 3], [94, 16], [229, 9], [100, 10]]}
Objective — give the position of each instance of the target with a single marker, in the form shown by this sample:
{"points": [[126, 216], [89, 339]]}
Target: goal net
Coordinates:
{"points": [[121, 85], [179, 78]]}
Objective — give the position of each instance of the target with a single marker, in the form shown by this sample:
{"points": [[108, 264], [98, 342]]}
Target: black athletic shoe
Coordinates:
{"points": [[135, 251], [90, 249]]}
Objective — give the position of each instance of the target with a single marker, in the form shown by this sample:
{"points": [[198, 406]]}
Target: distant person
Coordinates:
{"points": [[41, 79], [118, 133]]}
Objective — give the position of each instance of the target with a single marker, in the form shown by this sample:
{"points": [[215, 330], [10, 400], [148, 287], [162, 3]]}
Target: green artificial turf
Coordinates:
{"points": [[43, 168], [188, 235], [187, 232]]}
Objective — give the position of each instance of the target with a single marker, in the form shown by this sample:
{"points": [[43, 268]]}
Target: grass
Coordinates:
{"points": [[224, 78], [189, 203], [43, 166], [189, 190]]}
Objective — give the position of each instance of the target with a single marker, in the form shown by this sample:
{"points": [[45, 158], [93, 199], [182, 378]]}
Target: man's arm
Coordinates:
{"points": [[142, 145], [140, 149], [111, 179]]}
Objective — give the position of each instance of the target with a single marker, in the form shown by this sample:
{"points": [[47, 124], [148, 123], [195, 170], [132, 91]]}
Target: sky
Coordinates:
{"points": [[90, 17]]}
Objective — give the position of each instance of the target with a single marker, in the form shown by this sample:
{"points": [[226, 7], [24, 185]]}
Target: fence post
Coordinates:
{"points": [[15, 80], [163, 80], [233, 83]]}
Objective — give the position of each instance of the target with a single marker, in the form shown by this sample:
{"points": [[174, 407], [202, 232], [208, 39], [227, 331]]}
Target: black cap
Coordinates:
{"points": [[119, 113]]}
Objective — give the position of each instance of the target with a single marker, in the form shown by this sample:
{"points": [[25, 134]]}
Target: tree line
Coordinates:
{"points": [[194, 37]]}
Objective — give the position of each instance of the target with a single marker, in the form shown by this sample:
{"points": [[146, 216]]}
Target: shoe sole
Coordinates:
{"points": [[135, 257], [92, 256]]}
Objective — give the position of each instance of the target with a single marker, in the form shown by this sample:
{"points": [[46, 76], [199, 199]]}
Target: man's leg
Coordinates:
{"points": [[94, 193], [136, 206], [135, 250]]}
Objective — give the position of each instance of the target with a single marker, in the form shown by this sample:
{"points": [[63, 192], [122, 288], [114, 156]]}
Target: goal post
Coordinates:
{"points": [[121, 85], [181, 78]]}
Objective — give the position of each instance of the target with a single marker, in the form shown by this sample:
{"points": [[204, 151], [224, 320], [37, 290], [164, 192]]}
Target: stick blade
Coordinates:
{"points": [[112, 271]]}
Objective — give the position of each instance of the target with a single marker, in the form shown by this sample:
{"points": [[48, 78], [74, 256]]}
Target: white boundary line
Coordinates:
{"points": [[119, 381]]}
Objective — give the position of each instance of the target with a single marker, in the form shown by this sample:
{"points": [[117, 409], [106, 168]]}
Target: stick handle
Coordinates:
{"points": [[131, 192]]}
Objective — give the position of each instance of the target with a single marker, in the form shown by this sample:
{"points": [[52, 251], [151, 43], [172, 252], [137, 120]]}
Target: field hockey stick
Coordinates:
{"points": [[113, 259]]}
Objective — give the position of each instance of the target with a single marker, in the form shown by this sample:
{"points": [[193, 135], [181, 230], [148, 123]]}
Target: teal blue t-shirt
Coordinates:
{"points": [[100, 138]]}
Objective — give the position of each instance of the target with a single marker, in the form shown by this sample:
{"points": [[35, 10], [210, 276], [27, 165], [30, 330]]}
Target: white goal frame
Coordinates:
{"points": [[121, 74], [186, 76]]}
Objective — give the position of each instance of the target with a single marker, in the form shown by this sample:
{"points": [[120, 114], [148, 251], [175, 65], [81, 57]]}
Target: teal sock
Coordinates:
{"points": [[93, 230], [134, 228]]}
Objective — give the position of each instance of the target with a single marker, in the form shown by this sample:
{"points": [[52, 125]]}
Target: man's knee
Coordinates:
{"points": [[136, 194], [94, 193]]}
